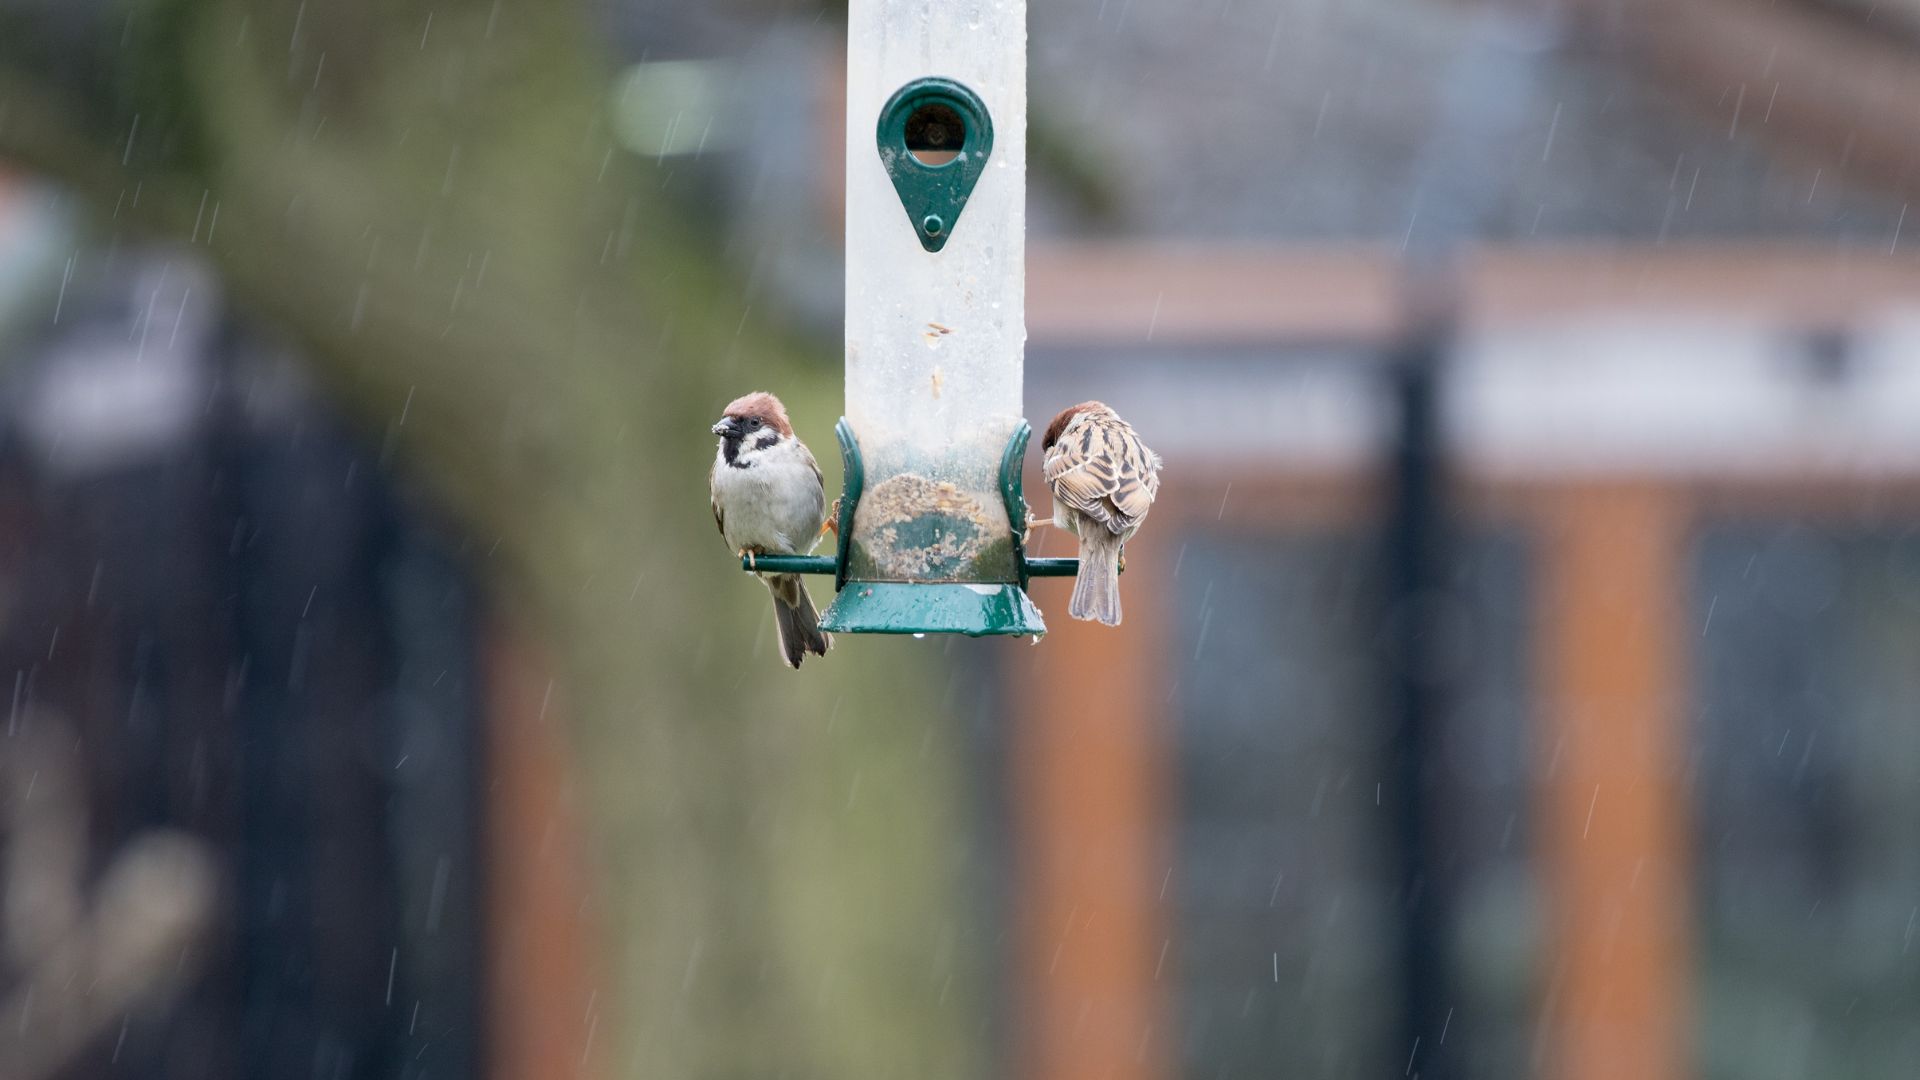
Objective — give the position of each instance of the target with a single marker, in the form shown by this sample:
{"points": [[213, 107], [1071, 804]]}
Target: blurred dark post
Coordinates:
{"points": [[1415, 556], [1482, 112]]}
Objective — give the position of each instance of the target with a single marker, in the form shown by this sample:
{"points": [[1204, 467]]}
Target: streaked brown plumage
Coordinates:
{"points": [[1103, 480]]}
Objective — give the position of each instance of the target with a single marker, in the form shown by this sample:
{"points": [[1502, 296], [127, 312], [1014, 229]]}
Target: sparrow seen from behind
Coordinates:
{"points": [[1103, 480], [768, 499]]}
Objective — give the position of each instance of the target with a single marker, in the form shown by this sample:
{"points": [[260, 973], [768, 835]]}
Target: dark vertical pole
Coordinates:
{"points": [[432, 617], [1488, 104], [1414, 580]]}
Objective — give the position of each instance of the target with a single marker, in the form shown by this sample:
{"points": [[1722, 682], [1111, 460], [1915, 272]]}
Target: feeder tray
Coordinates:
{"points": [[870, 604]]}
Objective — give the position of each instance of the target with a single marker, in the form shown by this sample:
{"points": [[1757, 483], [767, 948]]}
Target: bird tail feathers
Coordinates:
{"points": [[1096, 591], [796, 620]]}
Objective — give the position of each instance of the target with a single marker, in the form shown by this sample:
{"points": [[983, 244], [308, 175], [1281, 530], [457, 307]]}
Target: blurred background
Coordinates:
{"points": [[1521, 675]]}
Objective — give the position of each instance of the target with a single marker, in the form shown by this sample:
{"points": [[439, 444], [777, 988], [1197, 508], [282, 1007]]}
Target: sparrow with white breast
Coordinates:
{"points": [[1103, 480], [768, 499]]}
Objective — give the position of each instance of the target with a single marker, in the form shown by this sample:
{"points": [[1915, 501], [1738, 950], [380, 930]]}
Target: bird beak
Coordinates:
{"points": [[727, 428]]}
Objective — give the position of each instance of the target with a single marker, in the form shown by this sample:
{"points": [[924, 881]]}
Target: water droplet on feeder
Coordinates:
{"points": [[918, 637]]}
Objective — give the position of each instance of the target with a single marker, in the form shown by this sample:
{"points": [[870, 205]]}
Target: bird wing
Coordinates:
{"points": [[1100, 468], [1138, 479], [820, 486], [807, 456]]}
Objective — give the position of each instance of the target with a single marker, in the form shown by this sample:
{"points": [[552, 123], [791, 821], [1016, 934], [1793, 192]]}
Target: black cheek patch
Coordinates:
{"points": [[766, 440]]}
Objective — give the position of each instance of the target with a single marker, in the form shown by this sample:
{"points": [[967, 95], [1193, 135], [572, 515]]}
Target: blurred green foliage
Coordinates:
{"points": [[425, 198]]}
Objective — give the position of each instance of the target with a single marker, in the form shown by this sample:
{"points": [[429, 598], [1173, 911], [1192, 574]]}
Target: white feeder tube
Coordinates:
{"points": [[935, 340]]}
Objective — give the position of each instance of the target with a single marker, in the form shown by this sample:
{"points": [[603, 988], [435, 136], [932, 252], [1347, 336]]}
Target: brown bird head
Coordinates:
{"points": [[1060, 422], [755, 412]]}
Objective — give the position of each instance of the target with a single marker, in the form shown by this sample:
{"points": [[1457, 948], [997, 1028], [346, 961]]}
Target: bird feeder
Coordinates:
{"points": [[931, 520]]}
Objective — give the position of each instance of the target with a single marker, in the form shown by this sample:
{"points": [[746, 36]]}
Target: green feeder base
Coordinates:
{"points": [[898, 607], [976, 609]]}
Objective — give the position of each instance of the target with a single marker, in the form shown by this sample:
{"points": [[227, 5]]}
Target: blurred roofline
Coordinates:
{"points": [[1128, 294]]}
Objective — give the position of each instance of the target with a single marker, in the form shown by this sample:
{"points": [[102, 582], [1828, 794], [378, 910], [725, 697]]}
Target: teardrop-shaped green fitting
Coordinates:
{"points": [[935, 136]]}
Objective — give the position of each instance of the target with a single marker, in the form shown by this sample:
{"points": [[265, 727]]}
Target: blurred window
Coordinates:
{"points": [[1807, 760], [1285, 921]]}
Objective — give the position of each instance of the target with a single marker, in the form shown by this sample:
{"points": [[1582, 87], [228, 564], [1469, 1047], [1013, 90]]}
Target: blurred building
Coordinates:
{"points": [[1599, 830]]}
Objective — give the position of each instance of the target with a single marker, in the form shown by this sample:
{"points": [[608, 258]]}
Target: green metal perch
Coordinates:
{"points": [[829, 564]]}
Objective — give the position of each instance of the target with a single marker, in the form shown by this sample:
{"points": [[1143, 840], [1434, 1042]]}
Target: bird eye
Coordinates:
{"points": [[753, 423]]}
